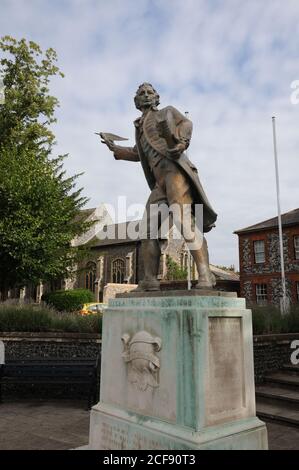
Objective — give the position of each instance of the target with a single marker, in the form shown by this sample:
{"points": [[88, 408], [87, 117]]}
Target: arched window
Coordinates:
{"points": [[184, 259], [118, 271], [90, 276]]}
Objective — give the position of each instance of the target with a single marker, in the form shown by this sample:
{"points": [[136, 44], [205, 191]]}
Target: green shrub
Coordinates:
{"points": [[259, 323], [174, 271], [68, 300], [37, 319], [291, 323], [25, 318], [269, 320]]}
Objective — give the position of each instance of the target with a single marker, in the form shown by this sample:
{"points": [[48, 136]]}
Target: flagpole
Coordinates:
{"points": [[189, 254], [283, 279]]}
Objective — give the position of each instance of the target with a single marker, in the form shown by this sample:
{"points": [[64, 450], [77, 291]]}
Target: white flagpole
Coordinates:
{"points": [[189, 254], [283, 280]]}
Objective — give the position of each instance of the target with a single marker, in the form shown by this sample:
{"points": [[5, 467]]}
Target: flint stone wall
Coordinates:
{"points": [[270, 351], [50, 345]]}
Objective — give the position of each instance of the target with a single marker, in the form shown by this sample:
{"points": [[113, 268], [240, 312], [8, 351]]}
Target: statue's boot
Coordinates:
{"points": [[206, 279], [198, 247], [150, 253]]}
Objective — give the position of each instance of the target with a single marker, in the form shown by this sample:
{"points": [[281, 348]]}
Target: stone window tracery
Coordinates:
{"points": [[118, 271], [90, 276]]}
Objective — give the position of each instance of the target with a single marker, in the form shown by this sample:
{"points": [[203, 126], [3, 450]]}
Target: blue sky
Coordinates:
{"points": [[229, 63]]}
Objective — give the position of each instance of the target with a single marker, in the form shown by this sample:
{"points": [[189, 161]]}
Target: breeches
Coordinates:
{"points": [[172, 190]]}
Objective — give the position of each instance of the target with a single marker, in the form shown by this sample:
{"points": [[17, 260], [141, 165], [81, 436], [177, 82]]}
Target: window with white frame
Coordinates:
{"points": [[259, 251], [296, 246], [261, 294]]}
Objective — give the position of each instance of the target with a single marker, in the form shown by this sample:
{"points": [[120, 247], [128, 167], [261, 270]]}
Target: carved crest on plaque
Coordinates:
{"points": [[140, 355]]}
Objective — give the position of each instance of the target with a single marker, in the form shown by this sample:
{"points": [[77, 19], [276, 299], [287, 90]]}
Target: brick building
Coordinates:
{"points": [[260, 272]]}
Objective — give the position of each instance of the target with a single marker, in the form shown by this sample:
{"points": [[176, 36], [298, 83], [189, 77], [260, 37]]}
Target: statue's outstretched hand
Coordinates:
{"points": [[108, 139], [110, 144]]}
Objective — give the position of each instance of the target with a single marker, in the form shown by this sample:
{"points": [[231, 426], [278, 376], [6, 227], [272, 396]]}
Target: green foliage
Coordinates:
{"points": [[25, 318], [38, 204], [34, 319], [26, 73], [268, 319], [292, 320], [174, 271], [68, 300], [36, 220]]}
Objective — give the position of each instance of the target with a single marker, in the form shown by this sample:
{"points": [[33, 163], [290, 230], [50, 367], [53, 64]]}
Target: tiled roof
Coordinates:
{"points": [[289, 218], [121, 235], [83, 214], [224, 274]]}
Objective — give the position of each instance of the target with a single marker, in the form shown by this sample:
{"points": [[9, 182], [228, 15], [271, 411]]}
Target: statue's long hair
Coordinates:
{"points": [[136, 98]]}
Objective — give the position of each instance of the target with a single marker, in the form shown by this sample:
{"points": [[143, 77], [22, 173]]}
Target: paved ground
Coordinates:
{"points": [[57, 425], [45, 425], [282, 437]]}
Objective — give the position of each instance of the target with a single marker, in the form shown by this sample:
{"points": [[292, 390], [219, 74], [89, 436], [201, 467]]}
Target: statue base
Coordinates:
{"points": [[177, 373]]}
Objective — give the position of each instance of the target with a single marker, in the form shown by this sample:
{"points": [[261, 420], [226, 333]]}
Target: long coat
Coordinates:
{"points": [[181, 129]]}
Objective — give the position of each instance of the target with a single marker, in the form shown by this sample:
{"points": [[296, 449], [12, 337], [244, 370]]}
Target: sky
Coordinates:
{"points": [[230, 64]]}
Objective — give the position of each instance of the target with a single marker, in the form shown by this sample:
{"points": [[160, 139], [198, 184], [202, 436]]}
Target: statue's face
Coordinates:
{"points": [[146, 97]]}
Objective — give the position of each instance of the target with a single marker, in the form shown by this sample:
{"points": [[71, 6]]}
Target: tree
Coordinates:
{"points": [[39, 205], [174, 271]]}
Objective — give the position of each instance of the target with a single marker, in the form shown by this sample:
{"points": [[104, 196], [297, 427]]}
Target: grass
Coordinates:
{"points": [[268, 319], [31, 318]]}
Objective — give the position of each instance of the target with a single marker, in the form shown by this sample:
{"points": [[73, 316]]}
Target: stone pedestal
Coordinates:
{"points": [[177, 373]]}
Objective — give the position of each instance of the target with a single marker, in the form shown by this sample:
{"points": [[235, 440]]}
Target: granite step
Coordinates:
{"points": [[282, 379], [291, 369], [279, 414], [278, 396]]}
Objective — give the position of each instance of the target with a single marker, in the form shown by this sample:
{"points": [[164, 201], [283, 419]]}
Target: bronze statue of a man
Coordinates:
{"points": [[162, 136]]}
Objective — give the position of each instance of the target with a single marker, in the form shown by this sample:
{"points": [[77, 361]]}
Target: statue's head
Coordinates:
{"points": [[146, 97]]}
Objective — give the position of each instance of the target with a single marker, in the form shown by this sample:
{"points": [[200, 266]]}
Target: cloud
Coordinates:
{"points": [[230, 64]]}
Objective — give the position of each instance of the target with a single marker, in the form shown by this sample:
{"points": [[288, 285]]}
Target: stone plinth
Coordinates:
{"points": [[112, 290], [177, 373]]}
